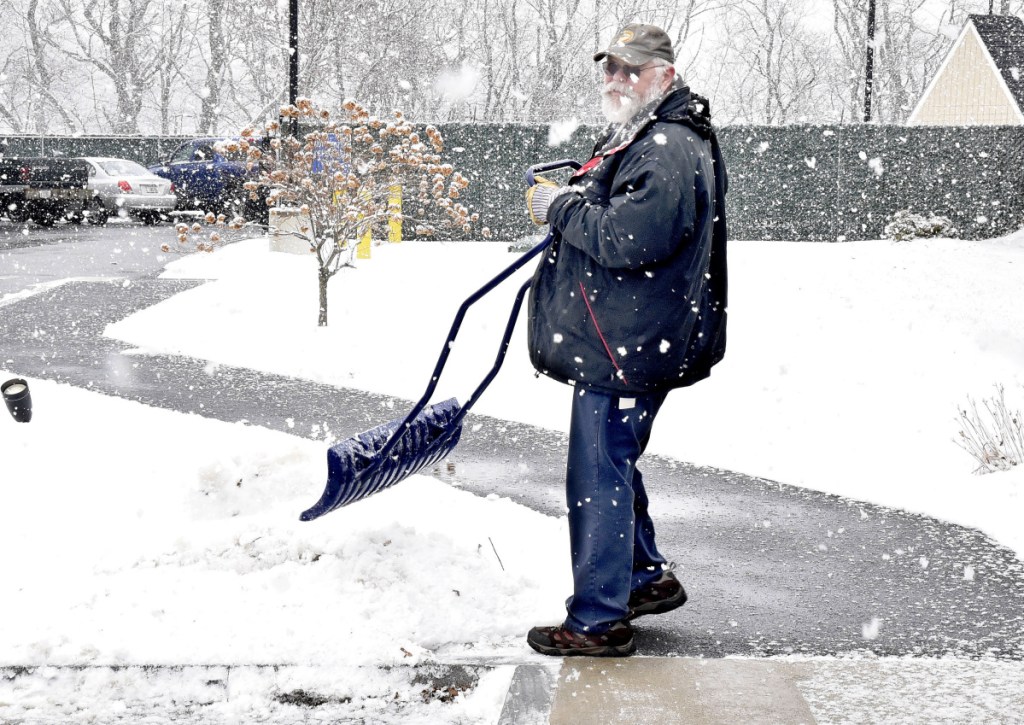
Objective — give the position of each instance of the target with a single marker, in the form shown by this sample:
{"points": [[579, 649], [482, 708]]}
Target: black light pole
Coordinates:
{"points": [[869, 69], [293, 60]]}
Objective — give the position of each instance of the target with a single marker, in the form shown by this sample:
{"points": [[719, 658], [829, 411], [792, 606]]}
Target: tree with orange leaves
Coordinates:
{"points": [[340, 177]]}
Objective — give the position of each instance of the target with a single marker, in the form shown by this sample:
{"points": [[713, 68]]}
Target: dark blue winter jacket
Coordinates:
{"points": [[631, 296]]}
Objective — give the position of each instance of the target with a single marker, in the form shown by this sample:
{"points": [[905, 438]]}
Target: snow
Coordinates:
{"points": [[845, 369], [130, 511], [561, 131], [457, 85]]}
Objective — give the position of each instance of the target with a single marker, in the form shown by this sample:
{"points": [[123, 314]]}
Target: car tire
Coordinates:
{"points": [[98, 213], [18, 214]]}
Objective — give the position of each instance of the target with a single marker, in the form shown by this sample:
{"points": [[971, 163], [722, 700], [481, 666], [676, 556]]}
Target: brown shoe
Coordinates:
{"points": [[562, 642], [662, 595]]}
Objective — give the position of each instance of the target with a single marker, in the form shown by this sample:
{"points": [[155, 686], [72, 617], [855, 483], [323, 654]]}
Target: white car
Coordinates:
{"points": [[122, 187]]}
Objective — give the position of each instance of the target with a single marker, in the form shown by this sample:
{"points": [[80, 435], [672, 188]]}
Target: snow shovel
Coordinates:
{"points": [[381, 457]]}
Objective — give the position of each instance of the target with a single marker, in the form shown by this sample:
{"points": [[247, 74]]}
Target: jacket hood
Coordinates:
{"points": [[685, 106]]}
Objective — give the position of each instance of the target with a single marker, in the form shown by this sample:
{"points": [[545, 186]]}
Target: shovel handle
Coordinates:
{"points": [[550, 166], [457, 323]]}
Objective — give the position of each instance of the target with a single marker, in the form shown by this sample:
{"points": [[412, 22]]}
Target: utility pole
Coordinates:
{"points": [[293, 60], [870, 67]]}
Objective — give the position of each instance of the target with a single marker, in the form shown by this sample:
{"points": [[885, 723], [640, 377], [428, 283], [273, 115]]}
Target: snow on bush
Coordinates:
{"points": [[908, 225]]}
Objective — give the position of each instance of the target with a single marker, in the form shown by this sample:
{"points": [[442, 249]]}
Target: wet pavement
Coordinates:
{"points": [[770, 569]]}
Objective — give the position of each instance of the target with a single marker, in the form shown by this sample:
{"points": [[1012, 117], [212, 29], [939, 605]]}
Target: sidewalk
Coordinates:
{"points": [[655, 690]]}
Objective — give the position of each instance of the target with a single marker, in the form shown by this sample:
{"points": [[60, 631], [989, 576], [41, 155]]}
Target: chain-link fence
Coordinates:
{"points": [[787, 183]]}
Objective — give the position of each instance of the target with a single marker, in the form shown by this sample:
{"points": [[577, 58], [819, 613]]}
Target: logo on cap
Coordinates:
{"points": [[625, 37]]}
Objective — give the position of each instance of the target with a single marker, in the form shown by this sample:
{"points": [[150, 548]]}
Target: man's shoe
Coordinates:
{"points": [[660, 596], [562, 642]]}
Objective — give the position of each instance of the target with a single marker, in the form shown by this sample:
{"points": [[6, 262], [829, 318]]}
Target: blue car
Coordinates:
{"points": [[209, 179]]}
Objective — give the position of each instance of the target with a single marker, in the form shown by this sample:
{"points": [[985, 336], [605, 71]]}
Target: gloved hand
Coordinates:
{"points": [[538, 199]]}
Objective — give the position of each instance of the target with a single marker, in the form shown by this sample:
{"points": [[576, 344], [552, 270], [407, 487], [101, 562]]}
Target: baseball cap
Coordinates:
{"points": [[637, 43]]}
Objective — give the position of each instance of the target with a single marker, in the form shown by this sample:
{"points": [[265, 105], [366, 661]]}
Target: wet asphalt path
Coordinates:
{"points": [[771, 569]]}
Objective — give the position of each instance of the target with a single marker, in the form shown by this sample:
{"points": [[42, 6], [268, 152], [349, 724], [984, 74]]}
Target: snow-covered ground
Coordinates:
{"points": [[140, 536], [845, 368]]}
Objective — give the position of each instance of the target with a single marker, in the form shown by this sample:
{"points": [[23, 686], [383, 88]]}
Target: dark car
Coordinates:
{"points": [[209, 178], [43, 189]]}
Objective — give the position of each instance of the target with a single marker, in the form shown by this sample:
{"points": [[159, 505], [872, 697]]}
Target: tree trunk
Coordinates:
{"points": [[210, 106], [322, 316]]}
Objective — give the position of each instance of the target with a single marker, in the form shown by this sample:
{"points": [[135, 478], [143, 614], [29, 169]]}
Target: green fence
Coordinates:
{"points": [[789, 183], [840, 183]]}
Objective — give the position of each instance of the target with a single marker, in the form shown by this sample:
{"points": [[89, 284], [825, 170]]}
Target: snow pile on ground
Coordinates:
{"points": [[137, 536], [847, 363]]}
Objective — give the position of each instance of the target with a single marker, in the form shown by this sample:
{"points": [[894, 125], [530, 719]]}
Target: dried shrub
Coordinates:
{"points": [[907, 225], [994, 438]]}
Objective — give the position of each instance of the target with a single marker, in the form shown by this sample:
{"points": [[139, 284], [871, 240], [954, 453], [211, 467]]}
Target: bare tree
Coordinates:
{"points": [[38, 100], [218, 52], [174, 52], [116, 38], [503, 24], [775, 62], [261, 47], [126, 66]]}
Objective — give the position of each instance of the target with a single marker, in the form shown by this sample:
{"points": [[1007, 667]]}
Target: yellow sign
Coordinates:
{"points": [[394, 218], [363, 249]]}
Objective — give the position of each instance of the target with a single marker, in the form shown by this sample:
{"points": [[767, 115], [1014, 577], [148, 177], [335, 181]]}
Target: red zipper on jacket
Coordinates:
{"points": [[600, 334]]}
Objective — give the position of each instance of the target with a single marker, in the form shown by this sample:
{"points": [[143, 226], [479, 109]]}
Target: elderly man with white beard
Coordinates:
{"points": [[628, 303]]}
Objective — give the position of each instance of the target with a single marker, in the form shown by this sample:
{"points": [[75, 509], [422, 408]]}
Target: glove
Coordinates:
{"points": [[539, 197]]}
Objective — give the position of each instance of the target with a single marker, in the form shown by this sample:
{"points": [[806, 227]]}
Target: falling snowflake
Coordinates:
{"points": [[869, 630], [561, 131]]}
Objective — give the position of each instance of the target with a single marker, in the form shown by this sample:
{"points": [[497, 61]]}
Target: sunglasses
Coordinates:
{"points": [[612, 67]]}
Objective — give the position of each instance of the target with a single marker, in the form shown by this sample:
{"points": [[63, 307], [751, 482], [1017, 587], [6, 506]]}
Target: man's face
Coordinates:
{"points": [[628, 88]]}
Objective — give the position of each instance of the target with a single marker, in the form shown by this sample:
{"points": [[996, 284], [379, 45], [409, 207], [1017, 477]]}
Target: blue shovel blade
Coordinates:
{"points": [[356, 470]]}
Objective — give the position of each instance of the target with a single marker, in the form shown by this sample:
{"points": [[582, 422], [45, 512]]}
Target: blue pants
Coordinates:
{"points": [[611, 535]]}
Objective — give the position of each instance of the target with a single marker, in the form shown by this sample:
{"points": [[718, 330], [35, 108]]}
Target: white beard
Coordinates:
{"points": [[622, 109]]}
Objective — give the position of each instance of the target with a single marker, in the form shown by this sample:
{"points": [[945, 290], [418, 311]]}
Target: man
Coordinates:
{"points": [[627, 304]]}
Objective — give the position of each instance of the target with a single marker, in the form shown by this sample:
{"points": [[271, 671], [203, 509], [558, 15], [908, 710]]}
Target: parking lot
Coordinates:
{"points": [[124, 247]]}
